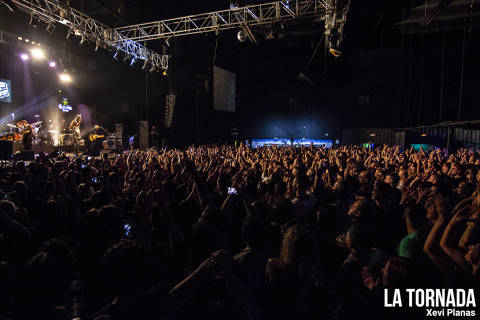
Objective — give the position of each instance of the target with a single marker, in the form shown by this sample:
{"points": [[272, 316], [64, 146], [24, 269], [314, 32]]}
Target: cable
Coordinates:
{"points": [[314, 54], [216, 47]]}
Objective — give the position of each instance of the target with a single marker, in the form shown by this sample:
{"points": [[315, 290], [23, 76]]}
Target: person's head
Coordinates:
{"points": [[359, 237], [465, 189], [391, 179], [362, 210], [363, 177], [297, 246], [123, 268], [399, 272]]}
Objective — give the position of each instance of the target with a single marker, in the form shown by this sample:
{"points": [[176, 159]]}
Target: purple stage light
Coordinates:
{"points": [[52, 64], [24, 56]]}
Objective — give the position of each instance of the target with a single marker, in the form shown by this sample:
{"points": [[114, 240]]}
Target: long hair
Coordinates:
{"points": [[297, 247]]}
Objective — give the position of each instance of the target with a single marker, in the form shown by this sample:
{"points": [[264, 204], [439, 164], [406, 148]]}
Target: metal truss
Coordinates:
{"points": [[241, 17], [55, 11]]}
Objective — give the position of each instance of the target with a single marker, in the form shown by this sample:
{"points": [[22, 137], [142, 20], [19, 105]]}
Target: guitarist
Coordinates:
{"points": [[95, 138], [27, 132]]}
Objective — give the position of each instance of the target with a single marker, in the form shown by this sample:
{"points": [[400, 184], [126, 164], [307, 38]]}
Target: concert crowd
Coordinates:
{"points": [[221, 232]]}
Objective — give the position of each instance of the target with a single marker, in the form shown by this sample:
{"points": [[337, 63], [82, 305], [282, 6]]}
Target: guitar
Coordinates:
{"points": [[94, 137]]}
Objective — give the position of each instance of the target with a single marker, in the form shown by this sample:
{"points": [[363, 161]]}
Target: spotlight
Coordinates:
{"points": [[164, 73], [27, 41], [241, 36], [37, 53], [145, 64], [97, 45], [52, 64], [50, 27], [20, 38], [82, 41], [24, 56], [115, 55], [33, 42], [133, 61], [65, 77]]}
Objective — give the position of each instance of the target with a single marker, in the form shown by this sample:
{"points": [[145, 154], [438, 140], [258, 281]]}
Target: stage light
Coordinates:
{"points": [[82, 41], [164, 73], [52, 64], [27, 41], [97, 45], [33, 42], [115, 55], [423, 135], [133, 61], [65, 77], [69, 33], [24, 56], [20, 38], [37, 53], [50, 27], [241, 36]]}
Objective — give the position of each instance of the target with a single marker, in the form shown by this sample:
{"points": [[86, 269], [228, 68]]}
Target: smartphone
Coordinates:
{"points": [[127, 230], [232, 190]]}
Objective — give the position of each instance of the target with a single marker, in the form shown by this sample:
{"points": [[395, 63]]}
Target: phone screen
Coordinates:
{"points": [[127, 230]]}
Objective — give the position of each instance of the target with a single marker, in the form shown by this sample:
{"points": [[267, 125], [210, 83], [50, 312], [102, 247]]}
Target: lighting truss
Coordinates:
{"points": [[241, 17], [50, 11]]}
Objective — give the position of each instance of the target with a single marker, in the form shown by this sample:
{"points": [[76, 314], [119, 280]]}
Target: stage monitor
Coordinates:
{"points": [[5, 91], [224, 90]]}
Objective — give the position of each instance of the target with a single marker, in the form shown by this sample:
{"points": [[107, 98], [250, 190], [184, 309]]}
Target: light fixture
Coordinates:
{"points": [[97, 45], [133, 61], [115, 55], [52, 64], [164, 73], [69, 34], [33, 42], [423, 135], [50, 27], [65, 77], [27, 41], [20, 38], [24, 56], [145, 64], [38, 53], [82, 41], [241, 36]]}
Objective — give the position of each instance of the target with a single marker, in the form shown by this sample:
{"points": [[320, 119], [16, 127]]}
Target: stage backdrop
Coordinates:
{"points": [[224, 90]]}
